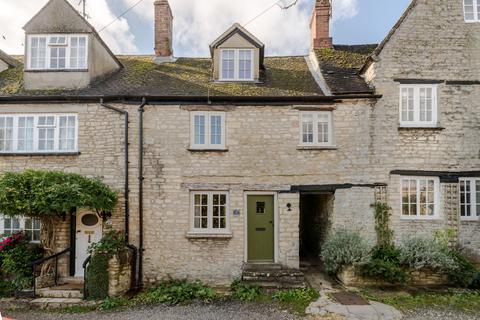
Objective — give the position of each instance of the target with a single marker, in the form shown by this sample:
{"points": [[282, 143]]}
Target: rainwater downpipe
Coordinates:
{"points": [[141, 110]]}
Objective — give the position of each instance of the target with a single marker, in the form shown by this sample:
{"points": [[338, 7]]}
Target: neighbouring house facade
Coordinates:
{"points": [[243, 158]]}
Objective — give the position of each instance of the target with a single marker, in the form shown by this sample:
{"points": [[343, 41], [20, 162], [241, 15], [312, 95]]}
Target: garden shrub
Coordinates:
{"points": [[475, 282], [425, 253], [15, 254], [113, 242], [344, 248], [465, 273], [385, 264], [245, 292], [176, 292], [97, 277]]}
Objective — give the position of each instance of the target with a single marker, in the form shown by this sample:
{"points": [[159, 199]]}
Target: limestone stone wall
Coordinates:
{"points": [[263, 155], [434, 44], [101, 147], [352, 210], [351, 277], [119, 274]]}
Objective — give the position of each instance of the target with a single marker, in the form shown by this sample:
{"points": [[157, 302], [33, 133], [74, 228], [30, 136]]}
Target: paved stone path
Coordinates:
{"points": [[325, 305]]}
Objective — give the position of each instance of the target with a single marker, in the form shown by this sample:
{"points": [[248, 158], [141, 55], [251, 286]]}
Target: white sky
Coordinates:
{"points": [[196, 23]]}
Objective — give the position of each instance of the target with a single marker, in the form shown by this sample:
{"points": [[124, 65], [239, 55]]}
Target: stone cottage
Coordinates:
{"points": [[243, 159]]}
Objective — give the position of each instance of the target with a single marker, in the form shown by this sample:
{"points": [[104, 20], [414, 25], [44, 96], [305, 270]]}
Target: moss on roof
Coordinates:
{"points": [[340, 66], [11, 81], [341, 58], [283, 76]]}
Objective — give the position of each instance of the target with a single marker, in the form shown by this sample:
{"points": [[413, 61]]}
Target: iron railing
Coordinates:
{"points": [[35, 263]]}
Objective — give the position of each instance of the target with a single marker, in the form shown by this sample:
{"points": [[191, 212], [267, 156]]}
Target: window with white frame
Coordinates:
{"points": [[207, 130], [10, 226], [57, 52], [470, 199], [420, 197], [316, 128], [471, 10], [236, 64], [29, 133], [418, 105], [210, 211]]}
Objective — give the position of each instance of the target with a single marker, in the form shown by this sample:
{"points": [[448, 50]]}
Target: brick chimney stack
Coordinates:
{"points": [[321, 25], [163, 31]]}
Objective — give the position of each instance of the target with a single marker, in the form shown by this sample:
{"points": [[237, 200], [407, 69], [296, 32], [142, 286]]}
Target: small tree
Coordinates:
{"points": [[46, 195]]}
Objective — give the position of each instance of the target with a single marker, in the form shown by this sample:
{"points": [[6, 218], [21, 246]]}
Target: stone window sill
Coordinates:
{"points": [[196, 235], [208, 150], [39, 154], [420, 128], [55, 70], [317, 148]]}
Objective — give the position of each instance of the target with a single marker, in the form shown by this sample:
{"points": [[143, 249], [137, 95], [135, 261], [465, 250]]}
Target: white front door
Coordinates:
{"points": [[89, 230]]}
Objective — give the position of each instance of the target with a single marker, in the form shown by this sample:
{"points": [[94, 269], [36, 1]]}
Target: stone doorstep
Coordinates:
{"points": [[71, 280], [280, 273], [59, 293], [262, 267], [58, 303]]}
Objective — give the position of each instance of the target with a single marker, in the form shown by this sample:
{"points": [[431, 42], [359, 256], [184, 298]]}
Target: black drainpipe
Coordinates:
{"points": [[127, 165], [135, 275], [141, 110]]}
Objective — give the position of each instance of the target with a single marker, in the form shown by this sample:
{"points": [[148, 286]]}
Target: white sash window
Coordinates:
{"points": [[20, 133], [57, 52]]}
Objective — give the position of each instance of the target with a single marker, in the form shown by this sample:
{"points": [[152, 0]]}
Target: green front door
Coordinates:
{"points": [[260, 228]]}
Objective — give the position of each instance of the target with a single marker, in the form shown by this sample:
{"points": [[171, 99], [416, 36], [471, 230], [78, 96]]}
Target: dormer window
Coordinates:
{"points": [[57, 52], [237, 56], [237, 64]]}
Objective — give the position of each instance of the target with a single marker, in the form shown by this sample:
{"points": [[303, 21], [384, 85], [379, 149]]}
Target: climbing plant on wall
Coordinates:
{"points": [[382, 224], [46, 195]]}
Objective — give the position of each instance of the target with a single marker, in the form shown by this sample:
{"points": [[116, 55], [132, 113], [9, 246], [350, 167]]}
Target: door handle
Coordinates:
{"points": [[78, 231]]}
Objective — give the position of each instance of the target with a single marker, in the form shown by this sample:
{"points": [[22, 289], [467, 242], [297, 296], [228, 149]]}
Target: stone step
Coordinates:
{"points": [[58, 303], [274, 274], [73, 280], [275, 279], [262, 266], [59, 293], [277, 285]]}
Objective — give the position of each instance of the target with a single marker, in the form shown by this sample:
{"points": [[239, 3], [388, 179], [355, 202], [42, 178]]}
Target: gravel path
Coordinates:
{"points": [[217, 311], [434, 314]]}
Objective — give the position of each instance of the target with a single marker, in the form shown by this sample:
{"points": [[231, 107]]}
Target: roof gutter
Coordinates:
{"points": [[165, 100]]}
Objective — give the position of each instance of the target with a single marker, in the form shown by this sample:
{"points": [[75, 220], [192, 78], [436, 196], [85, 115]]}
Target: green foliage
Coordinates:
{"points": [[176, 292], [475, 282], [39, 193], [112, 242], [420, 253], [459, 301], [445, 237], [97, 277], [382, 224], [14, 258], [343, 249], [385, 264], [297, 299], [112, 303], [245, 292], [465, 272], [6, 288]]}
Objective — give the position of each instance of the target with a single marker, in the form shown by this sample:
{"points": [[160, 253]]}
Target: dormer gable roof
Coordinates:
{"points": [[236, 28], [59, 16], [11, 62]]}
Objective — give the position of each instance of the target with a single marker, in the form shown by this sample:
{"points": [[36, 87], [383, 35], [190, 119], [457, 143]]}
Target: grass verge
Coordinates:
{"points": [[465, 301]]}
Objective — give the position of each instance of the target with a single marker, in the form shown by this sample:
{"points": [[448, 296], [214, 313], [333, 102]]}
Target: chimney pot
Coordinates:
{"points": [[321, 25], [163, 29]]}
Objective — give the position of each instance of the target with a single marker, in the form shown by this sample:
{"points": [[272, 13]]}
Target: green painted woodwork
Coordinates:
{"points": [[260, 228]]}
